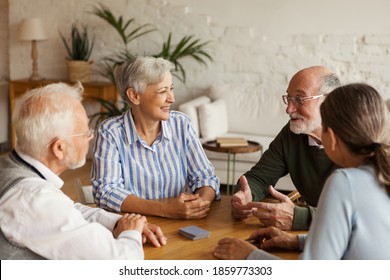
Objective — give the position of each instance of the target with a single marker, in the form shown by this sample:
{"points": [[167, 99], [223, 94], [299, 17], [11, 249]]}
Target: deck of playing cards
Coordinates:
{"points": [[194, 232]]}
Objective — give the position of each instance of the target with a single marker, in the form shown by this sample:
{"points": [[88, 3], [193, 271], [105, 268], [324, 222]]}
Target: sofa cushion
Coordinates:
{"points": [[190, 109], [213, 119], [251, 111]]}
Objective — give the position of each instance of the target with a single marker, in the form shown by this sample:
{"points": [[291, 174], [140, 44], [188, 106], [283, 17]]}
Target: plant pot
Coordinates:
{"points": [[79, 70]]}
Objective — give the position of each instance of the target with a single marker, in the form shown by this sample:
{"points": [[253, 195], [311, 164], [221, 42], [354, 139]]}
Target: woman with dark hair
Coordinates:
{"points": [[352, 219]]}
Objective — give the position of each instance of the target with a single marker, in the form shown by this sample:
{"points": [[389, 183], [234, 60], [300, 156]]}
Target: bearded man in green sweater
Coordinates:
{"points": [[296, 150]]}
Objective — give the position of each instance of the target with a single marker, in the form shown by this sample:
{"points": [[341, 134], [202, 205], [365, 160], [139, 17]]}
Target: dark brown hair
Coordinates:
{"points": [[360, 117]]}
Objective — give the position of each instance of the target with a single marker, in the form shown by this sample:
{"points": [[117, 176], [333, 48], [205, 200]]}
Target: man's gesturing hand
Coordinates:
{"points": [[241, 199], [279, 215]]}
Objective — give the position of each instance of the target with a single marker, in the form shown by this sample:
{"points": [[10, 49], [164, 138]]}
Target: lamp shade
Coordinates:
{"points": [[32, 29]]}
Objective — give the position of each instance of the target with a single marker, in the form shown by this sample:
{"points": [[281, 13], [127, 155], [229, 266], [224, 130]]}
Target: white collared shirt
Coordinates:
{"points": [[36, 214], [314, 143]]}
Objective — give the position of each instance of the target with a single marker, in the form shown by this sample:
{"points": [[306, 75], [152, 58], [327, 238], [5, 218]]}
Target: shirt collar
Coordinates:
{"points": [[132, 134], [314, 143], [46, 172], [130, 130], [166, 130]]}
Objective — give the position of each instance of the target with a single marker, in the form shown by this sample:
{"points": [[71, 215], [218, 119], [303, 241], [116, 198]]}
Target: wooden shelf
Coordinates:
{"points": [[92, 90]]}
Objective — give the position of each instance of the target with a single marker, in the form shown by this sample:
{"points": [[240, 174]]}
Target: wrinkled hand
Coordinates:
{"points": [[279, 215], [241, 199], [274, 237], [187, 206], [129, 222], [153, 234], [233, 249]]}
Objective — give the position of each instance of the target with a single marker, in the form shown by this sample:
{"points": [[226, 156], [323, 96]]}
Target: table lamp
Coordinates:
{"points": [[32, 29]]}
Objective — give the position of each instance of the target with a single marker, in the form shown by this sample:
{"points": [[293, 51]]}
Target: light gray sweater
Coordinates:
{"points": [[352, 220], [12, 170]]}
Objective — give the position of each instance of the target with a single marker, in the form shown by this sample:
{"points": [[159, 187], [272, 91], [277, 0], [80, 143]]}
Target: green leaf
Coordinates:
{"points": [[188, 46], [81, 47], [110, 109], [120, 26]]}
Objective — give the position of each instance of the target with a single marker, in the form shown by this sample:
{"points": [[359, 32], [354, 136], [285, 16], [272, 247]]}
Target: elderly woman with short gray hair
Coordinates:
{"points": [[149, 160]]}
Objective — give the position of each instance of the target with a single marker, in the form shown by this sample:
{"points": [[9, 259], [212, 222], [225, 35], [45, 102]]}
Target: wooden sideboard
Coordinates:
{"points": [[92, 90]]}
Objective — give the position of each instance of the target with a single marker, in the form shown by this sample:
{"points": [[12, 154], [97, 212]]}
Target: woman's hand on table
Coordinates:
{"points": [[186, 206], [233, 249], [272, 237]]}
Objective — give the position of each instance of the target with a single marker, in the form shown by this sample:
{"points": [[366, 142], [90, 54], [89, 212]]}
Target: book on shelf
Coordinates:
{"points": [[231, 142]]}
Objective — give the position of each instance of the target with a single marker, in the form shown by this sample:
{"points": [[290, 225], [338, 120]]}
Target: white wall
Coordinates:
{"points": [[256, 42]]}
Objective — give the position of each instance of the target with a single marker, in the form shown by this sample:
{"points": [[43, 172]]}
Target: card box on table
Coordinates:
{"points": [[194, 232]]}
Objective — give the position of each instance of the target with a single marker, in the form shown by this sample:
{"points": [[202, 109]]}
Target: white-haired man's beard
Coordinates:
{"points": [[70, 162], [300, 125], [76, 165]]}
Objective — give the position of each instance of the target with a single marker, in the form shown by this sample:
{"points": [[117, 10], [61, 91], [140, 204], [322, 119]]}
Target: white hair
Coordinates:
{"points": [[139, 72], [43, 114]]}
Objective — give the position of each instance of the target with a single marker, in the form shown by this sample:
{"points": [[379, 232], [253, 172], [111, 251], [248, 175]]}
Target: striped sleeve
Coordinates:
{"points": [[107, 178], [200, 170]]}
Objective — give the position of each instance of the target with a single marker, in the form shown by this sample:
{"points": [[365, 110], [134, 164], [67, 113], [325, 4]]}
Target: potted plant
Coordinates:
{"points": [[111, 109], [188, 46], [79, 52]]}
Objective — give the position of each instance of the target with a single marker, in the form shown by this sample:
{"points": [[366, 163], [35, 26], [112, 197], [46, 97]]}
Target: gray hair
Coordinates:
{"points": [[139, 72], [329, 83], [45, 113]]}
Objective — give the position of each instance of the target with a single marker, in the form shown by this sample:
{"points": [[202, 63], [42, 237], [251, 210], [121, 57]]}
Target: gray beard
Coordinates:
{"points": [[74, 165], [300, 128], [77, 164], [303, 127]]}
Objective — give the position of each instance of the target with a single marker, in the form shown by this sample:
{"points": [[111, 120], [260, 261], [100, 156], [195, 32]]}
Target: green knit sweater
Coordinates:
{"points": [[308, 167]]}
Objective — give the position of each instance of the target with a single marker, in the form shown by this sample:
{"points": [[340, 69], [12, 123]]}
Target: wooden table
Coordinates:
{"points": [[17, 88], [231, 156], [219, 222]]}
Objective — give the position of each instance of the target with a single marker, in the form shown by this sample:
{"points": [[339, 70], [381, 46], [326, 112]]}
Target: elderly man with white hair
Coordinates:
{"points": [[38, 221]]}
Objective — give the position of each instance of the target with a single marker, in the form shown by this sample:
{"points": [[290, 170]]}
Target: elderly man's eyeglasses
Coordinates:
{"points": [[298, 100], [89, 134]]}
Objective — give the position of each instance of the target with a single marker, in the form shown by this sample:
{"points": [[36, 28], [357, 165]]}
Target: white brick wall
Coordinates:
{"points": [[254, 42]]}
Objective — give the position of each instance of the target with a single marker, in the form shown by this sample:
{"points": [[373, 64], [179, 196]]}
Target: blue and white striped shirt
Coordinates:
{"points": [[124, 164]]}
